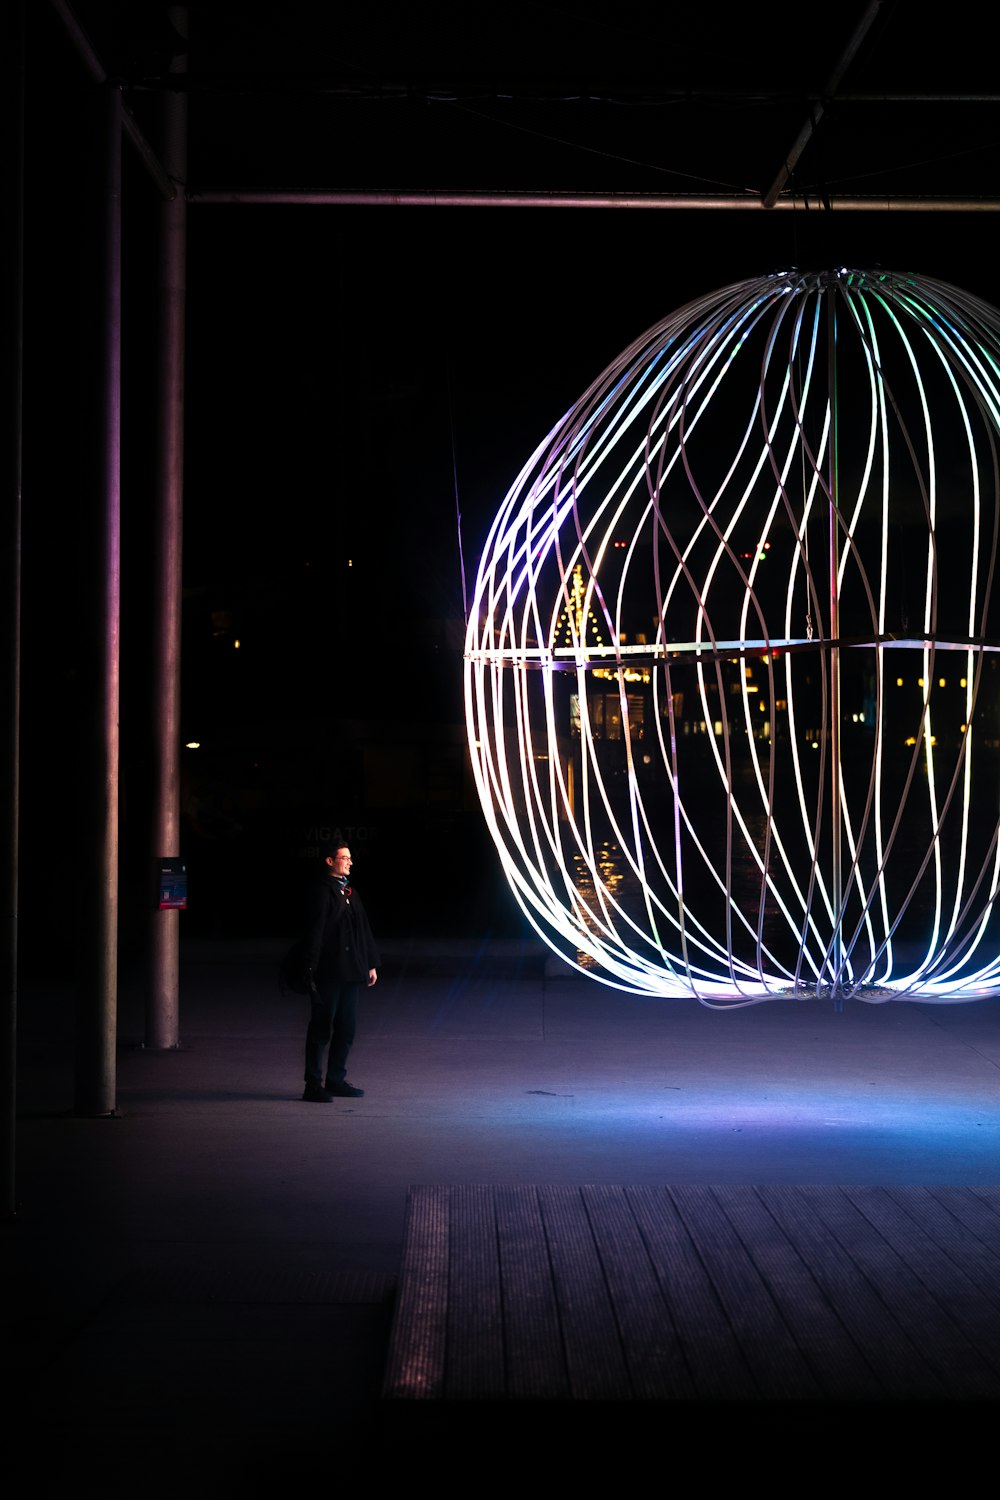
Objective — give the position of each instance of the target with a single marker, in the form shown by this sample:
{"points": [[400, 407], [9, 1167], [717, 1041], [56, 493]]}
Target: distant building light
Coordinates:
{"points": [[193, 745], [236, 645]]}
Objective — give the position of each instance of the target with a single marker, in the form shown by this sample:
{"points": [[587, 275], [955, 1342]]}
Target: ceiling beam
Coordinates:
{"points": [[816, 114], [428, 198], [99, 75]]}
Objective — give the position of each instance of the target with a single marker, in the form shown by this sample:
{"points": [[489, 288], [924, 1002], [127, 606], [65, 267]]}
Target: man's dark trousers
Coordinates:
{"points": [[332, 1022]]}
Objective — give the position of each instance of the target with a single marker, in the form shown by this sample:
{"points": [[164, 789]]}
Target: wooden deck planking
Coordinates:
{"points": [[673, 1294], [960, 1238], [711, 1349], [838, 1365], [595, 1359], [980, 1225], [536, 1368], [887, 1266], [898, 1365], [946, 1276], [657, 1368], [768, 1345], [474, 1317], [416, 1362]]}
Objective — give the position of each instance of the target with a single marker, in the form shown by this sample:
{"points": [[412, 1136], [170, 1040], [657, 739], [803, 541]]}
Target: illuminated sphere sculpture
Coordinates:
{"points": [[732, 683]]}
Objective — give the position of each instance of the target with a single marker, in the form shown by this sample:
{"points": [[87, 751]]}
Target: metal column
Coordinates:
{"points": [[162, 993], [97, 1007], [11, 690]]}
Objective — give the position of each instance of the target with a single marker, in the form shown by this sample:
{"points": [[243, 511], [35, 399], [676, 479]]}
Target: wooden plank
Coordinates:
{"points": [[416, 1364], [989, 1196], [475, 1353], [711, 1350], [885, 1265], [899, 1366], [835, 1360], [595, 1360], [769, 1348], [974, 1214], [945, 1278], [935, 1210], [697, 1294], [535, 1363], [653, 1354]]}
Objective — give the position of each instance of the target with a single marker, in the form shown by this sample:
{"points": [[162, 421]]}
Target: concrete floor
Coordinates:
{"points": [[161, 1255]]}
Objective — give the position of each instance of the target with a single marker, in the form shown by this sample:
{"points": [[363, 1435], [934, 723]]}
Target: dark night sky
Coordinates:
{"points": [[340, 358], [337, 356]]}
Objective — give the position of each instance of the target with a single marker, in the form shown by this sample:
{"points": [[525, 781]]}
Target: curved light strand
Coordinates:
{"points": [[654, 758]]}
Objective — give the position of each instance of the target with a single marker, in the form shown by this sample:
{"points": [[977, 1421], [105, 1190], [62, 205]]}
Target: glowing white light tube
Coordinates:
{"points": [[651, 668]]}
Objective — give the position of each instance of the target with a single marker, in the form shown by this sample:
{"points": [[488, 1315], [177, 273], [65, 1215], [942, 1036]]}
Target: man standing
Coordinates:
{"points": [[340, 957]]}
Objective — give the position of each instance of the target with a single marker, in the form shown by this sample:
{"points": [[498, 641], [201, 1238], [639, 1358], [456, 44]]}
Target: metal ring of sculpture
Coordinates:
{"points": [[732, 685]]}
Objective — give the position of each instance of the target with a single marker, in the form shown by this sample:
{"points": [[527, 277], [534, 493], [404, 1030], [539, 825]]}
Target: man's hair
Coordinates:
{"points": [[329, 849]]}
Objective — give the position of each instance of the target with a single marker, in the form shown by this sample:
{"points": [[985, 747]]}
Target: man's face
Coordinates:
{"points": [[340, 863]]}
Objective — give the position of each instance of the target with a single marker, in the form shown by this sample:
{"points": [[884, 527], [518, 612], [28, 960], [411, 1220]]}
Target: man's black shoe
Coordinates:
{"points": [[345, 1090], [316, 1095]]}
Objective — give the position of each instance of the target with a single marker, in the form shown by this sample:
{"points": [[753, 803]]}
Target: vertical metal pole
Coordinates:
{"points": [[9, 830], [162, 993], [836, 872], [98, 979]]}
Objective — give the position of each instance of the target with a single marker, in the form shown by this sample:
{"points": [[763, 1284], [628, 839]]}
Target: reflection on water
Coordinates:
{"points": [[617, 880]]}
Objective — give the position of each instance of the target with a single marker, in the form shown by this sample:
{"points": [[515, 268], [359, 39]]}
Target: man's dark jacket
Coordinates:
{"points": [[339, 946]]}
